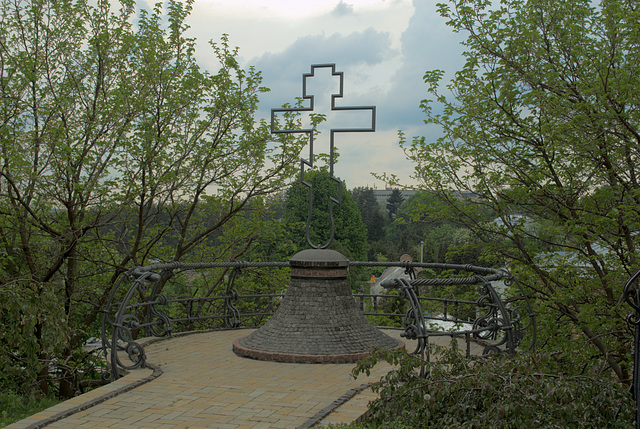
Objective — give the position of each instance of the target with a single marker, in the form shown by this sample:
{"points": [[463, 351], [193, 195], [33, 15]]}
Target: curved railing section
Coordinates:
{"points": [[630, 295], [499, 323], [159, 300]]}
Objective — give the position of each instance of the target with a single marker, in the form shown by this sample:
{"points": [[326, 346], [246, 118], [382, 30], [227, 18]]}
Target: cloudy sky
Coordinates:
{"points": [[382, 46]]}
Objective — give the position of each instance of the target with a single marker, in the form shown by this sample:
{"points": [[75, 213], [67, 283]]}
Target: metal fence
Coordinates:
{"points": [[164, 299]]}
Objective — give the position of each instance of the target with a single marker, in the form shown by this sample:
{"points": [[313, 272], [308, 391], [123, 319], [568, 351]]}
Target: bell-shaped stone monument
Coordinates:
{"points": [[318, 320]]}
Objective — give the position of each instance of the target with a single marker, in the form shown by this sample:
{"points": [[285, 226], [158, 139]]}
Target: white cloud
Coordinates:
{"points": [[362, 154], [283, 70], [382, 46], [427, 44], [342, 9]]}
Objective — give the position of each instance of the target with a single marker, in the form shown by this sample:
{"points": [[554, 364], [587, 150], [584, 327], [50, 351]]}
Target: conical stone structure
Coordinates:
{"points": [[318, 320]]}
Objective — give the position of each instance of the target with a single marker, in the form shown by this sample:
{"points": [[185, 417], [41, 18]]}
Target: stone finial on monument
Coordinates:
{"points": [[318, 320]]}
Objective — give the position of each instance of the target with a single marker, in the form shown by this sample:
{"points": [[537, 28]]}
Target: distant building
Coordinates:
{"points": [[466, 195], [383, 194]]}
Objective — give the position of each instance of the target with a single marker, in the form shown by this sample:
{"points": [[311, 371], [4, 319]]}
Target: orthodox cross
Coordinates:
{"points": [[370, 126]]}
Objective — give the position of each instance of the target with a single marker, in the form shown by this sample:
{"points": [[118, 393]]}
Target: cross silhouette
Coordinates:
{"points": [[310, 130]]}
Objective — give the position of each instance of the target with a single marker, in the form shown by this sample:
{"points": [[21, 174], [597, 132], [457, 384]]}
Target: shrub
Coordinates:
{"points": [[501, 391]]}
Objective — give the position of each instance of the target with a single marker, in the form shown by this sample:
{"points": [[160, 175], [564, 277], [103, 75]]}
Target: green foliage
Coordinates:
{"points": [[14, 408], [444, 239], [370, 211], [33, 326], [394, 202], [118, 150], [499, 392], [350, 232], [542, 124]]}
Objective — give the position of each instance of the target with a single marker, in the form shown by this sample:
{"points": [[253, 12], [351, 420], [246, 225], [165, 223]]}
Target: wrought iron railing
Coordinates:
{"points": [[631, 295], [163, 299]]}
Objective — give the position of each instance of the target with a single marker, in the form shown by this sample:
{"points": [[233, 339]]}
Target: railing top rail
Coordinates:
{"points": [[203, 265], [499, 273], [492, 319], [433, 265]]}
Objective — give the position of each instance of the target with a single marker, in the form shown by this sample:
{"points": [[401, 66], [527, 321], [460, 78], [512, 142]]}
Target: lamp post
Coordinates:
{"points": [[421, 250]]}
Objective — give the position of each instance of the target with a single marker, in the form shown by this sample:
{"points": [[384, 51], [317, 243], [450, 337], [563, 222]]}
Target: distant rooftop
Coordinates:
{"points": [[382, 194]]}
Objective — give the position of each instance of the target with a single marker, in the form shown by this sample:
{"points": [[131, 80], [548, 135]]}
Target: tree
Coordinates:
{"points": [[445, 240], [117, 149], [394, 202], [370, 211], [543, 123], [409, 227], [350, 231]]}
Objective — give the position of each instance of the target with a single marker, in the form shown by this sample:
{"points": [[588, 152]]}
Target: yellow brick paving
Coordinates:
{"points": [[205, 385]]}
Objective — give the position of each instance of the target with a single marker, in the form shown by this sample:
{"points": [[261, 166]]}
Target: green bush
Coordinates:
{"points": [[14, 407], [529, 389]]}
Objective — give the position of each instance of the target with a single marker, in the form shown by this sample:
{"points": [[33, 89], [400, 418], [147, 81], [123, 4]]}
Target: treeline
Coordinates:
{"points": [[368, 230]]}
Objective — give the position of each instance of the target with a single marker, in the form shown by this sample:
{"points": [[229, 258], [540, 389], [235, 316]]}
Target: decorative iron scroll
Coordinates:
{"points": [[232, 315], [415, 324], [311, 131], [498, 328], [125, 324], [136, 308], [139, 312], [631, 295]]}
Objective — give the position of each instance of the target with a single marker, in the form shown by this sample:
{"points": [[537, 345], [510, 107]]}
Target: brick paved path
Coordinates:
{"points": [[205, 385]]}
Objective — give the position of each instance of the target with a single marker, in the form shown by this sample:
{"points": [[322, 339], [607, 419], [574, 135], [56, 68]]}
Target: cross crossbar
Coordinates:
{"points": [[369, 127]]}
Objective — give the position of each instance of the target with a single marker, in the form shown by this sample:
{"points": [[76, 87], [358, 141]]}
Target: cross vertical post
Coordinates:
{"points": [[310, 131]]}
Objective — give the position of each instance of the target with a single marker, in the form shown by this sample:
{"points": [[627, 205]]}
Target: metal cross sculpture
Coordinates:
{"points": [[370, 127]]}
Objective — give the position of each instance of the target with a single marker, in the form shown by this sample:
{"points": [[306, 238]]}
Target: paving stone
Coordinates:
{"points": [[224, 390]]}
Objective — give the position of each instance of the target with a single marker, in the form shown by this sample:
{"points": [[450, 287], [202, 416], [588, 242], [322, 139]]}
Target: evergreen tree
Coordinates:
{"points": [[394, 202], [350, 232], [370, 211]]}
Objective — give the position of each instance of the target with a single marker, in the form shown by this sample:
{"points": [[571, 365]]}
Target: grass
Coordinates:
{"points": [[14, 407]]}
